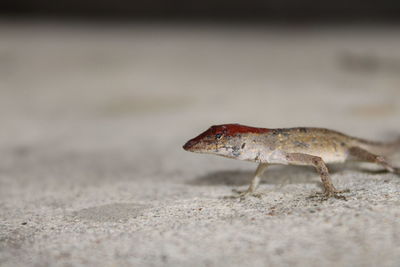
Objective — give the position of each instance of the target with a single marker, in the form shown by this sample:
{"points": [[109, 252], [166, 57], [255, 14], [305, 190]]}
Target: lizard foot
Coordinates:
{"points": [[328, 194], [243, 194]]}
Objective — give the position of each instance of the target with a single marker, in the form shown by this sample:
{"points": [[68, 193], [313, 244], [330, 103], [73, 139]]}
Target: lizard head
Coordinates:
{"points": [[227, 140]]}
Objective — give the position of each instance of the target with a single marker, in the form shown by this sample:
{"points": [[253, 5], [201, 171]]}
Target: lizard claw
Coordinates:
{"points": [[328, 194], [243, 194]]}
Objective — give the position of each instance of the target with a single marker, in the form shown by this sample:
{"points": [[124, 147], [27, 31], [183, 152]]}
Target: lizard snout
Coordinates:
{"points": [[189, 144]]}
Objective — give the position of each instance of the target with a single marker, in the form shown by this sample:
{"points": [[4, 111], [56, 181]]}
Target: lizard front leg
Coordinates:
{"points": [[254, 182], [321, 168]]}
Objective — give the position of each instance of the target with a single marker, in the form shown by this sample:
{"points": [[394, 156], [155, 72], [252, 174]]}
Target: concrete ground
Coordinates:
{"points": [[92, 170]]}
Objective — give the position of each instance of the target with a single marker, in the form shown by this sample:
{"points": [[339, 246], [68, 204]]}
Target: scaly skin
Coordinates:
{"points": [[290, 146]]}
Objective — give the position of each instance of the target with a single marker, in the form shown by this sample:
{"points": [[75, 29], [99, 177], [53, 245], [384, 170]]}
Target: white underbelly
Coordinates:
{"points": [[279, 157], [333, 157]]}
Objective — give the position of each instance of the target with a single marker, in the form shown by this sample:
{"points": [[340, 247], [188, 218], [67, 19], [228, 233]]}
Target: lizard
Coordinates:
{"points": [[305, 146]]}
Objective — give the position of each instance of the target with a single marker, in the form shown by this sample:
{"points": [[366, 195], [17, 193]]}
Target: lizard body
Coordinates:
{"points": [[290, 146]]}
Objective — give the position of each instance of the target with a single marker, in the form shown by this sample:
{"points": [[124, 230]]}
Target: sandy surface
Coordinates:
{"points": [[93, 119]]}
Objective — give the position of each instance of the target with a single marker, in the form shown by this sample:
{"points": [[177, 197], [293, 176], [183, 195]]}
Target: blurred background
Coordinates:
{"points": [[288, 10], [270, 63], [98, 97]]}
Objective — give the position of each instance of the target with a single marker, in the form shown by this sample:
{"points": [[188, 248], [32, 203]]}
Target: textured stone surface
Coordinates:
{"points": [[93, 119]]}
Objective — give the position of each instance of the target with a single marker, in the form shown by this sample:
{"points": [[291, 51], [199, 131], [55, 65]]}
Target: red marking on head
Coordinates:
{"points": [[234, 129], [225, 130]]}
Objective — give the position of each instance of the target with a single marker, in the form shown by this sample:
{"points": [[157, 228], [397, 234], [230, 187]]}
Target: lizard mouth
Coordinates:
{"points": [[197, 146], [200, 147]]}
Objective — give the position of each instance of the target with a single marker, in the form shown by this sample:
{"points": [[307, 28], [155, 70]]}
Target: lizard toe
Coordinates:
{"points": [[243, 194]]}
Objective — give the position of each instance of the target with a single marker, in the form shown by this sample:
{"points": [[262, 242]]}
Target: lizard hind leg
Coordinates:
{"points": [[363, 155], [321, 168]]}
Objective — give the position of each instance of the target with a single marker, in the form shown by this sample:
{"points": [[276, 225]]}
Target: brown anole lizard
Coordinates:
{"points": [[291, 146]]}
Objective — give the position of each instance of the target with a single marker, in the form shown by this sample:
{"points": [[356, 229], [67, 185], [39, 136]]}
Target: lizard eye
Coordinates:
{"points": [[218, 136]]}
